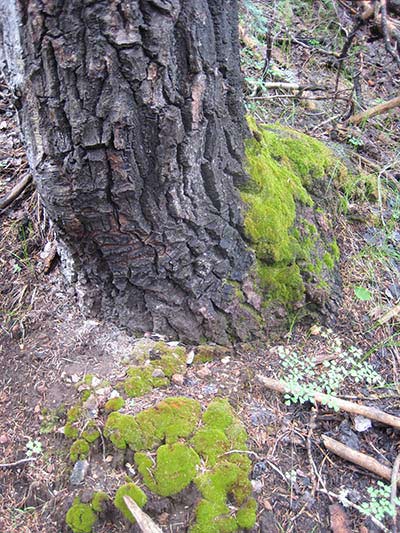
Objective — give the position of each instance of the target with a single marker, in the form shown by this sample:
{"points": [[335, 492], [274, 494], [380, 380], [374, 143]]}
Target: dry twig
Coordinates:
{"points": [[16, 191], [143, 520], [344, 405], [375, 110], [361, 459]]}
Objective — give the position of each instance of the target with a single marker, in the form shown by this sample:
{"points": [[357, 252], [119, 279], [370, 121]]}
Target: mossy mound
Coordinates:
{"points": [[79, 450], [175, 468], [99, 501], [167, 360], [178, 440], [289, 210], [81, 517], [136, 493], [114, 404]]}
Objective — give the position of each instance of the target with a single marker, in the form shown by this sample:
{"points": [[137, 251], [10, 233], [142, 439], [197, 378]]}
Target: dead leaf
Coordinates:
{"points": [[339, 519]]}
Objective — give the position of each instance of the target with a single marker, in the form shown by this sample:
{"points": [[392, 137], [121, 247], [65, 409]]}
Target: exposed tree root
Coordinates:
{"points": [[16, 191]]}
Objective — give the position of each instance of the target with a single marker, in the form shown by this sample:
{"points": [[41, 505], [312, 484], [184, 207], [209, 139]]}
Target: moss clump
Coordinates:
{"points": [[136, 493], [183, 439], [99, 501], [210, 443], [205, 352], [123, 431], [90, 433], [247, 514], [282, 164], [169, 420], [79, 450], [176, 467], [80, 517], [114, 404]]}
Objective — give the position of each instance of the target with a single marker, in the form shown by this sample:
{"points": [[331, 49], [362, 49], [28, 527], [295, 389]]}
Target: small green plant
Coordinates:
{"points": [[379, 505], [362, 294], [355, 141], [33, 447], [304, 377]]}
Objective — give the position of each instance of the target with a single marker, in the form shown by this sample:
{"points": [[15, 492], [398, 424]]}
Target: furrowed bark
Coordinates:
{"points": [[133, 119]]}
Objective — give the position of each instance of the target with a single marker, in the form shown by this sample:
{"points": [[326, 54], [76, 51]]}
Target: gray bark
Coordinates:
{"points": [[133, 120]]}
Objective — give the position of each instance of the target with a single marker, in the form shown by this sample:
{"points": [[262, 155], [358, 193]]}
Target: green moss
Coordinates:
{"points": [[218, 414], [206, 352], [169, 420], [139, 381], [171, 360], [70, 431], [335, 250], [213, 517], [210, 443], [79, 450], [184, 440], [114, 404], [99, 501], [80, 517], [136, 493], [122, 431], [282, 164], [74, 413], [90, 433], [176, 467], [247, 514]]}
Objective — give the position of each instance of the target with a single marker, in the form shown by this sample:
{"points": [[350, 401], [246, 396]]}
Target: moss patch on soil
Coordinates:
{"points": [[283, 165], [135, 492], [164, 362], [171, 441], [81, 517]]}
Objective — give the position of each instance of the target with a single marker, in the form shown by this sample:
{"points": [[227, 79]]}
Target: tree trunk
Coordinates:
{"points": [[133, 120]]}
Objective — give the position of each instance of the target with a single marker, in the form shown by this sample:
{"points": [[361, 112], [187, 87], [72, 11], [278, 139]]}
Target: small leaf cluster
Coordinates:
{"points": [[304, 378], [379, 505]]}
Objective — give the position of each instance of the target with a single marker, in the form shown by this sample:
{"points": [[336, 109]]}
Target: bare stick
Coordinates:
{"points": [[17, 463], [393, 489], [358, 458], [344, 405], [376, 110], [394, 311], [15, 191], [143, 520]]}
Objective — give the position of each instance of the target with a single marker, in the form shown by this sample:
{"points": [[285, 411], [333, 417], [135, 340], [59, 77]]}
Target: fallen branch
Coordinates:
{"points": [[143, 520], [394, 311], [393, 489], [376, 110], [17, 463], [358, 458], [16, 191], [344, 405]]}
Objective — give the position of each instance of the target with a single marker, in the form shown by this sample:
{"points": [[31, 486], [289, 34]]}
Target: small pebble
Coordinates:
{"points": [[158, 373], [178, 379], [79, 472], [203, 372]]}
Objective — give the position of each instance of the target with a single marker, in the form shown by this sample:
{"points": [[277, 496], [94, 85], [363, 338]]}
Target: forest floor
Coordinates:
{"points": [[47, 346]]}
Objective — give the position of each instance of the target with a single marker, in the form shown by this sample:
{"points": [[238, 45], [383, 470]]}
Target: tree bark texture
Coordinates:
{"points": [[133, 119]]}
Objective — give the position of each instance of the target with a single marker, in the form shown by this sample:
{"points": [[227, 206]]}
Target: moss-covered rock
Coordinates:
{"points": [[80, 517], [91, 432], [137, 495], [291, 176]]}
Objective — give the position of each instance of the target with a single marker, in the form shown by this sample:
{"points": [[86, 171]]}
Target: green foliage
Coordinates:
{"points": [[133, 491], [304, 377], [33, 447], [362, 293], [80, 517], [379, 505], [79, 450]]}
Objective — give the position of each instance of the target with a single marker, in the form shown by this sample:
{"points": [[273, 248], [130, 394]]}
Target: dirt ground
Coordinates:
{"points": [[47, 345]]}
